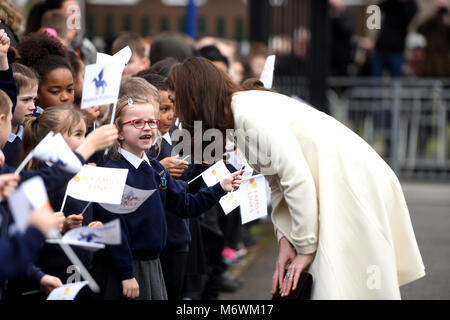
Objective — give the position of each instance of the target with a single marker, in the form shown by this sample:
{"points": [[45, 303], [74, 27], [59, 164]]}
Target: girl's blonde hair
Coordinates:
{"points": [[60, 119], [136, 91]]}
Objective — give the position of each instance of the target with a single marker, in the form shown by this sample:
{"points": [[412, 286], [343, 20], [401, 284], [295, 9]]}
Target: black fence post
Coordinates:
{"points": [[319, 57], [258, 22]]}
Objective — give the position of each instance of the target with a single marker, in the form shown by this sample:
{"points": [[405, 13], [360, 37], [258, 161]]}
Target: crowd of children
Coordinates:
{"points": [[173, 243]]}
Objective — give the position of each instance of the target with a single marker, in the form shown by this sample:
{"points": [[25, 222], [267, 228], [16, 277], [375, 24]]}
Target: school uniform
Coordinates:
{"points": [[13, 147], [52, 260], [144, 231], [8, 85], [174, 255], [53, 178]]}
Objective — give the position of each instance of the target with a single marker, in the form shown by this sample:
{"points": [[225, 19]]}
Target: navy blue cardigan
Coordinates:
{"points": [[144, 231]]}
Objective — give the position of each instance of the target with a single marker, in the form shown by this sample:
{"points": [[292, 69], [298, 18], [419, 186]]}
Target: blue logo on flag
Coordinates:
{"points": [[99, 82], [88, 237]]}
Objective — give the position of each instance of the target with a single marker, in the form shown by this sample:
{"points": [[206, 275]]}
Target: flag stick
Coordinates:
{"points": [[85, 208], [112, 121], [75, 260], [64, 201], [24, 163]]}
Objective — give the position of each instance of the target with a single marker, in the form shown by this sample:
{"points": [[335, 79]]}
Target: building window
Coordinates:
{"points": [[202, 26], [127, 23], [145, 26], [164, 24], [220, 27], [182, 24], [239, 29], [90, 26], [109, 25]]}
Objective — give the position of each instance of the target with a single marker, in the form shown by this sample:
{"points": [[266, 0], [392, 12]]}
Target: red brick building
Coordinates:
{"points": [[220, 18]]}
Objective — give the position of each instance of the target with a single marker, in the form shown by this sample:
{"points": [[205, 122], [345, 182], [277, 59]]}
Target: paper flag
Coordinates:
{"points": [[101, 83], [98, 184], [253, 198], [55, 151], [267, 73], [132, 198], [67, 291], [215, 173], [30, 195]]}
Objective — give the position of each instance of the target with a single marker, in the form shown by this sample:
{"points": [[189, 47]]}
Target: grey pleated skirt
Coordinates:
{"points": [[150, 278]]}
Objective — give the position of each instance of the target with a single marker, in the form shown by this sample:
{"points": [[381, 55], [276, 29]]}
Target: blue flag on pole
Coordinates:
{"points": [[192, 19]]}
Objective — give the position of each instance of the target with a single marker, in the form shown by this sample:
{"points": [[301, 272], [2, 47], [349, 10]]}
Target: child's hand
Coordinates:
{"points": [[48, 283], [73, 221], [8, 183], [232, 182], [174, 165], [2, 158], [95, 224], [98, 139], [4, 46], [61, 221], [44, 219], [130, 288]]}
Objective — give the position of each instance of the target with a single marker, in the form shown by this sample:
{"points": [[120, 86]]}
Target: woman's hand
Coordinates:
{"points": [[99, 139], [130, 288], [297, 263], [232, 182], [174, 165], [48, 283], [73, 221]]}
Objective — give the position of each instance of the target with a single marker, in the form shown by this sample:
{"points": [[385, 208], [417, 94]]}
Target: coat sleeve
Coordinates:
{"points": [[18, 252], [8, 85], [281, 156]]}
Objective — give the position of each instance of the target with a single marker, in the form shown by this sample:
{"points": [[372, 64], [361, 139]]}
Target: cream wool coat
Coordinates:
{"points": [[331, 194]]}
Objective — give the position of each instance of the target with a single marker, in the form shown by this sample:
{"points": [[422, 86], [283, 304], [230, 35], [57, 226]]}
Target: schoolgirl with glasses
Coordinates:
{"points": [[137, 271]]}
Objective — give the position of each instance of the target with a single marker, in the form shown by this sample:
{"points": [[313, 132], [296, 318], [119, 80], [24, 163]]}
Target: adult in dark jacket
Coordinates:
{"points": [[390, 44]]}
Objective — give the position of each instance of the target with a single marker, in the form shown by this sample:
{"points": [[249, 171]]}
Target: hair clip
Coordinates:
{"points": [[130, 103]]}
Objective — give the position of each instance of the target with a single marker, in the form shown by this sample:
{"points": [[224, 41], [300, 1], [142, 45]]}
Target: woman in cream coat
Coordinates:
{"points": [[338, 209]]}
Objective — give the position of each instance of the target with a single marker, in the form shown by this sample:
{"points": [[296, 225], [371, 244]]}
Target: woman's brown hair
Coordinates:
{"points": [[58, 119], [203, 92]]}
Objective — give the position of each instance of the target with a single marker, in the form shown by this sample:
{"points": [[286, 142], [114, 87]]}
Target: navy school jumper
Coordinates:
{"points": [[144, 231], [21, 250]]}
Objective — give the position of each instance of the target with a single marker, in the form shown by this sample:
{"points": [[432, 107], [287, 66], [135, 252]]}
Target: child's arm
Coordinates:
{"points": [[20, 250], [7, 82], [121, 254], [97, 140], [187, 205]]}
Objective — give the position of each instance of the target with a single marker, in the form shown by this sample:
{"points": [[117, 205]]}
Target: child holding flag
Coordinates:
{"points": [[71, 123], [143, 222]]}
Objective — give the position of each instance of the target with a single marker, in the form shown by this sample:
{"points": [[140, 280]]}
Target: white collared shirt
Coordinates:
{"points": [[166, 137], [133, 159]]}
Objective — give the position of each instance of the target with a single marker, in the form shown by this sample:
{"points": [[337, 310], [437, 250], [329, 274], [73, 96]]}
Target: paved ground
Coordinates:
{"points": [[429, 205]]}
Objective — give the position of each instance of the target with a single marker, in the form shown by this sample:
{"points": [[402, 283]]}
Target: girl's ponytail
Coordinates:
{"points": [[29, 140]]}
